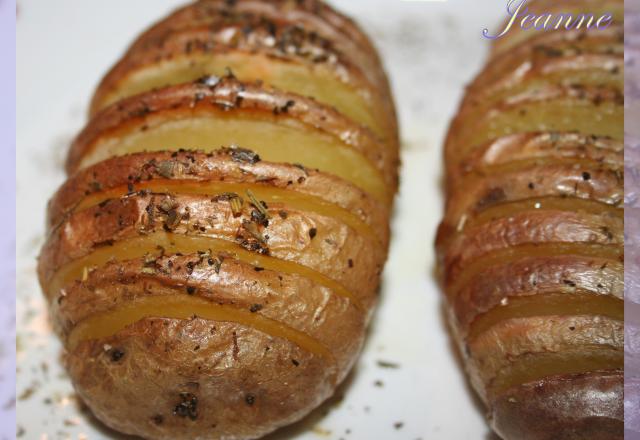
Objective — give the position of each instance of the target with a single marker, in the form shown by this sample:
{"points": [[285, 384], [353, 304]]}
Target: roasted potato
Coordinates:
{"points": [[531, 247], [213, 260]]}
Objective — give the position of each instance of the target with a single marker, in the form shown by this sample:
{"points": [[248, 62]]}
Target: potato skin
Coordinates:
{"points": [[521, 337], [314, 15], [534, 276], [541, 145], [225, 165], [266, 293], [471, 121], [530, 227], [327, 252], [484, 190], [534, 165]]}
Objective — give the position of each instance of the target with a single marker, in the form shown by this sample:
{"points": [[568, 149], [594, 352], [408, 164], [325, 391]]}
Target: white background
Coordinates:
{"points": [[431, 50]]}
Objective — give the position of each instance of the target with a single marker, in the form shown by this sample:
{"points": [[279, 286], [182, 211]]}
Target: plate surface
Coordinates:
{"points": [[408, 384]]}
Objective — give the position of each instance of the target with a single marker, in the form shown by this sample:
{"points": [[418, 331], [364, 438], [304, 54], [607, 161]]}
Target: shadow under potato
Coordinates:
{"points": [[314, 419]]}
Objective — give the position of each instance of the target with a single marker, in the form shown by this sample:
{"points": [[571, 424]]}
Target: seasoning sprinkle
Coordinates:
{"points": [[116, 354], [388, 365], [188, 407], [260, 206]]}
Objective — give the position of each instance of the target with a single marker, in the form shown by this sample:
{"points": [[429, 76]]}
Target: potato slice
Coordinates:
{"points": [[282, 54], [523, 350], [532, 277], [576, 303], [535, 367], [206, 115], [106, 324], [192, 172], [299, 202], [181, 244], [541, 147], [322, 85], [510, 209], [457, 279], [551, 109], [548, 51]]}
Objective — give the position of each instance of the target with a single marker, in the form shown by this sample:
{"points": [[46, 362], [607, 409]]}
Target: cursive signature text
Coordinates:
{"points": [[519, 15]]}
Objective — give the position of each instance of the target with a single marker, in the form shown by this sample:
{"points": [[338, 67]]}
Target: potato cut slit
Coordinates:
{"points": [[572, 204], [138, 247], [540, 162], [537, 366], [565, 304], [296, 200], [292, 77], [514, 253], [556, 115], [106, 324], [274, 141]]}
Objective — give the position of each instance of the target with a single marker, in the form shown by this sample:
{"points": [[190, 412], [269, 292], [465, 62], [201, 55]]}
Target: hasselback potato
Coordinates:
{"points": [[212, 261], [531, 247]]}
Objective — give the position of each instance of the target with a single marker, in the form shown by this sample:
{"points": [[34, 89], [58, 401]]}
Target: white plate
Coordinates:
{"points": [[431, 50]]}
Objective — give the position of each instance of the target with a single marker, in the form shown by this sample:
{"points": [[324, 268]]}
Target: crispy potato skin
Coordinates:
{"points": [[521, 337], [540, 145], [533, 224], [534, 276], [234, 283], [328, 252], [223, 166], [314, 15], [188, 306]]}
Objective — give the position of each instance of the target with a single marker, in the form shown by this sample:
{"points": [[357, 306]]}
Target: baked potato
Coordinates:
{"points": [[531, 247], [213, 260]]}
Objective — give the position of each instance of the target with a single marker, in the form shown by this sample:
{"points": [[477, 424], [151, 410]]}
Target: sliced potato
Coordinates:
{"points": [[273, 124]]}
